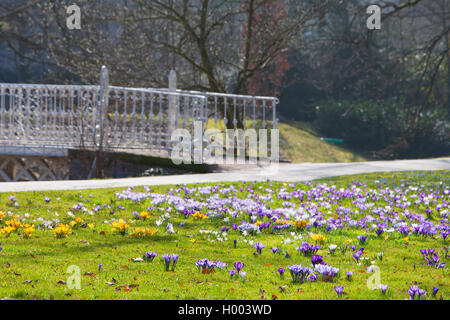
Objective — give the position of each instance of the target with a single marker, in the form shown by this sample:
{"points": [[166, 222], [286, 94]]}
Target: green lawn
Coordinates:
{"points": [[36, 267]]}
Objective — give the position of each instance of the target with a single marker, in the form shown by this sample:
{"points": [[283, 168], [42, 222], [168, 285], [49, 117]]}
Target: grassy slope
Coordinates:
{"points": [[299, 143], [44, 259]]}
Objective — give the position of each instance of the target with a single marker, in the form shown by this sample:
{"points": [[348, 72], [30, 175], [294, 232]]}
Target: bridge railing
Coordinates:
{"points": [[140, 118], [75, 116], [113, 117], [237, 111], [47, 114]]}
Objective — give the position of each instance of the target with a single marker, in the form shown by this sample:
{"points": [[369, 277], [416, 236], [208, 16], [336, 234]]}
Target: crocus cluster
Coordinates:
{"points": [[149, 256], [432, 258], [328, 272], [167, 258], [238, 266], [207, 266], [259, 246], [416, 293], [308, 249], [362, 239], [299, 274]]}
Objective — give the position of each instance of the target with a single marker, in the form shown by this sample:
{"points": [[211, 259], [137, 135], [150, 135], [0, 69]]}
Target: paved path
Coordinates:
{"points": [[286, 172]]}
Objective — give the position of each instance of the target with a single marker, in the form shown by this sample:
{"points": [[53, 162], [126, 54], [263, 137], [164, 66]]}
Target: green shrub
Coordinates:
{"points": [[371, 126], [365, 125]]}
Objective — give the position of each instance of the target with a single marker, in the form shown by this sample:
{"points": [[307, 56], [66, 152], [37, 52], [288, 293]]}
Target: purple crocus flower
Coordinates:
{"points": [[383, 288], [174, 258], [316, 259], [232, 273], [435, 291], [167, 258], [281, 271], [259, 246], [274, 249], [47, 199], [238, 266], [313, 277], [349, 275], [357, 255], [339, 290], [444, 235], [149, 256], [224, 229], [100, 267], [362, 239]]}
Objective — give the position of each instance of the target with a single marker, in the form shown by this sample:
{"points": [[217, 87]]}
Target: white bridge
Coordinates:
{"points": [[40, 123]]}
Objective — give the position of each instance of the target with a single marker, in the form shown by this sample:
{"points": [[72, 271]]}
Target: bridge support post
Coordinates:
{"points": [[102, 109], [172, 103]]}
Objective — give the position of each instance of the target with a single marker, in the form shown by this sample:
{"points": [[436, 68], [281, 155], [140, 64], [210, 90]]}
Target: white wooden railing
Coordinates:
{"points": [[114, 117]]}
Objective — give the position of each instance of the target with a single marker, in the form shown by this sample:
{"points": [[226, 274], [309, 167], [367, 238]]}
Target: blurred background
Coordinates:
{"points": [[347, 93]]}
